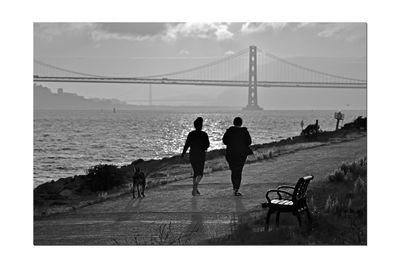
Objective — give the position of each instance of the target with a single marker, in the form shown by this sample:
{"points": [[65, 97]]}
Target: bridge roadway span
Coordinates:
{"points": [[141, 221], [165, 81]]}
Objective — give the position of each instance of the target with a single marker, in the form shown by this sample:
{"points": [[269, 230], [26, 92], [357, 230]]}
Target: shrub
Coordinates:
{"points": [[344, 168], [331, 203], [103, 177], [259, 156], [338, 176], [359, 171], [350, 172], [360, 187], [339, 205], [311, 205]]}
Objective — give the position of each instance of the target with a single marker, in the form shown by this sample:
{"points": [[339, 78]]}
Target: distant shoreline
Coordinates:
{"points": [[161, 107]]}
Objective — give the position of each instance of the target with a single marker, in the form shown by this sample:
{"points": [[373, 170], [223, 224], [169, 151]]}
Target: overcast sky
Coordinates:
{"points": [[134, 49]]}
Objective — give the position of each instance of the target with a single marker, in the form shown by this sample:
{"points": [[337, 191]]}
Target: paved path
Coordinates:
{"points": [[170, 214]]}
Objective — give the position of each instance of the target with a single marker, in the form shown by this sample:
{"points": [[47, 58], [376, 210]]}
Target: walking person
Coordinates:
{"points": [[237, 140], [198, 142]]}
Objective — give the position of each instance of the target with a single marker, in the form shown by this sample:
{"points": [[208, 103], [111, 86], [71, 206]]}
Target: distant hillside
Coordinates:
{"points": [[45, 99]]}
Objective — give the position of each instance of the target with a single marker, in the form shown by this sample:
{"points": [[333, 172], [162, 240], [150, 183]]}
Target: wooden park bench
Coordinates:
{"points": [[294, 201]]}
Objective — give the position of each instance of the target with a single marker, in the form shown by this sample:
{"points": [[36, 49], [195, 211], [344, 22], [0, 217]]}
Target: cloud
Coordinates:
{"points": [[100, 31], [338, 31], [253, 27], [345, 31], [333, 31], [301, 25], [128, 31], [223, 33], [134, 31], [217, 31], [229, 53], [49, 31], [184, 52], [102, 35]]}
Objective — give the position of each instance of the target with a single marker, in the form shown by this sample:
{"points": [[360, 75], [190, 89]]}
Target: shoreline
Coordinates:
{"points": [[65, 194], [59, 155], [189, 220]]}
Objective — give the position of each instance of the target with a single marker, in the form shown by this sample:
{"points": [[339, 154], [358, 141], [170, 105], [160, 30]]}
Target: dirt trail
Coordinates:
{"points": [[169, 214]]}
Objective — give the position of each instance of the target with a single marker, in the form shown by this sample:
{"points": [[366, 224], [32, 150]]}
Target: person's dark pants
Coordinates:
{"points": [[236, 167], [198, 167]]}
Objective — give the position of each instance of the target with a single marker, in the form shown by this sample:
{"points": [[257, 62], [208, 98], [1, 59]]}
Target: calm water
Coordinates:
{"points": [[66, 143]]}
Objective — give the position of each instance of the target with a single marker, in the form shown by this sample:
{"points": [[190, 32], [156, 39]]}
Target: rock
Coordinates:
{"points": [[50, 188]]}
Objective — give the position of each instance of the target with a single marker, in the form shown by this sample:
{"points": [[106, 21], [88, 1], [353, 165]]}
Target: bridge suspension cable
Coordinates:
{"points": [[219, 61], [307, 69], [67, 70], [232, 70]]}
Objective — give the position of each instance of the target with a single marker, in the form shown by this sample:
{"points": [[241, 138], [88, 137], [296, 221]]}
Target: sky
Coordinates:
{"points": [[135, 49]]}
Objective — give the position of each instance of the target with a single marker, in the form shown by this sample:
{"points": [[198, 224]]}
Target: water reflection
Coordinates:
{"points": [[94, 137]]}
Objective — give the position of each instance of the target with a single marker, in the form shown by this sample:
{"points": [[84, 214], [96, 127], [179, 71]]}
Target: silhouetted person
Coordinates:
{"points": [[237, 140], [198, 142]]}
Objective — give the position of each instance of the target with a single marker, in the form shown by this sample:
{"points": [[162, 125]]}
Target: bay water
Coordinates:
{"points": [[68, 142]]}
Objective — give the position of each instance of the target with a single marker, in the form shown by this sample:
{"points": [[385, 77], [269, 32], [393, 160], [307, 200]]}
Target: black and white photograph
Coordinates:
{"points": [[199, 133], [219, 133]]}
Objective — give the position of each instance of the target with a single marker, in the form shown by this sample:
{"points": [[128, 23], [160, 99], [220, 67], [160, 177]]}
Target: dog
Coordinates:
{"points": [[138, 183]]}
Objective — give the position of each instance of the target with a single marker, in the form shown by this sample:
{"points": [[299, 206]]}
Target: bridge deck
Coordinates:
{"points": [[243, 83]]}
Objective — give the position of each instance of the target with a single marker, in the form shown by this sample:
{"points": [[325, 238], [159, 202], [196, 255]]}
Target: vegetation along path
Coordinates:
{"points": [[170, 215]]}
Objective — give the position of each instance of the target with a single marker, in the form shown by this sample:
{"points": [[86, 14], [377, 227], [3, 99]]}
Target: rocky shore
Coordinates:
{"points": [[70, 193]]}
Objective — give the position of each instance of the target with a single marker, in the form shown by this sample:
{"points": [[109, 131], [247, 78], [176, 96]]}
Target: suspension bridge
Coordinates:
{"points": [[250, 68]]}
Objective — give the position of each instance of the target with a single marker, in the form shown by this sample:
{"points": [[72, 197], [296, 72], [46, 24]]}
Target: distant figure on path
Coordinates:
{"points": [[138, 183], [198, 142], [237, 140]]}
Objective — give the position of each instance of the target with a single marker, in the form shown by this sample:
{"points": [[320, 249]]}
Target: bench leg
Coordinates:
{"points": [[267, 220], [277, 218]]}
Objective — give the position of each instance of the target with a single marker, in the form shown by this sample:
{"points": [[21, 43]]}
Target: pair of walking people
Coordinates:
{"points": [[237, 140]]}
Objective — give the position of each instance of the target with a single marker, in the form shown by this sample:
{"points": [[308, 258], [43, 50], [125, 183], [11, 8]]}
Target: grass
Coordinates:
{"points": [[163, 235], [349, 171], [339, 215]]}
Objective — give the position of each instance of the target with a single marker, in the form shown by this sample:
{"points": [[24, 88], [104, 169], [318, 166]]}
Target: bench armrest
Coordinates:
{"points": [[285, 186], [278, 191]]}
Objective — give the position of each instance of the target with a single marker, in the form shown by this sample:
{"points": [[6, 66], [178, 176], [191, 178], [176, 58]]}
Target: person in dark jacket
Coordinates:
{"points": [[237, 140], [198, 142]]}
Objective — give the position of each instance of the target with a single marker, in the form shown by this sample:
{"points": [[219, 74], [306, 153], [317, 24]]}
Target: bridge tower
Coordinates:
{"points": [[252, 96]]}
